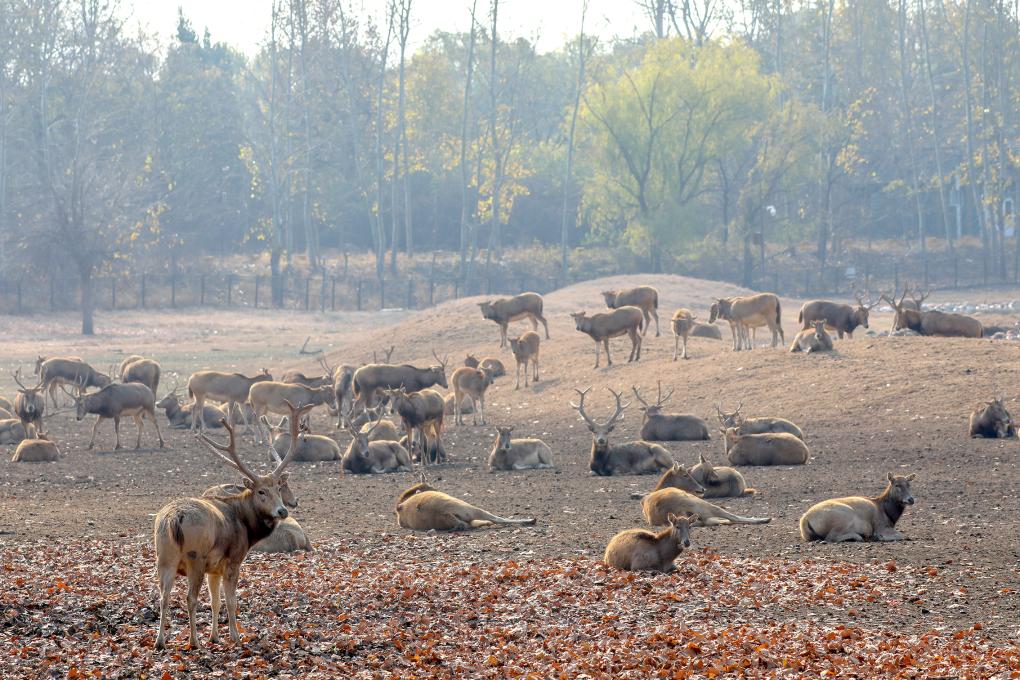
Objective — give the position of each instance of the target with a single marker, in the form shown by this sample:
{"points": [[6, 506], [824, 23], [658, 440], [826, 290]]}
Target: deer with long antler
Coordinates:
{"points": [[30, 403], [843, 319], [370, 380], [632, 458], [932, 322], [212, 535], [659, 426]]}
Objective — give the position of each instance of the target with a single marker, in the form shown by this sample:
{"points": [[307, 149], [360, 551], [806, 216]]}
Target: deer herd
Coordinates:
{"points": [[210, 535]]}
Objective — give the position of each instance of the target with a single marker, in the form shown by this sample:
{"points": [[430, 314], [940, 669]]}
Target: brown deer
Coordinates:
{"points": [[777, 448], [7, 404], [933, 322], [706, 330], [470, 384], [12, 431], [518, 454], [199, 536], [633, 458], [141, 370], [642, 550], [450, 407], [659, 505], [683, 324], [288, 536], [657, 426], [858, 518], [505, 310], [115, 402], [269, 396], [62, 372], [602, 327], [231, 388], [366, 456], [812, 340], [837, 317], [422, 508], [721, 481], [422, 415], [371, 379], [758, 425], [311, 448], [525, 350], [494, 366], [644, 298], [29, 403], [343, 382], [744, 313], [677, 477], [36, 448], [992, 420], [179, 414], [296, 377]]}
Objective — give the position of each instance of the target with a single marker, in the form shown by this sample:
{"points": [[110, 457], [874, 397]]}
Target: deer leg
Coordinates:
{"points": [[597, 354], [534, 363], [502, 335], [655, 313], [92, 442], [545, 324], [517, 376], [138, 422], [685, 348], [534, 322], [116, 430], [195, 578], [479, 406], [166, 586], [214, 602], [648, 321], [155, 424], [230, 590], [244, 417], [676, 346]]}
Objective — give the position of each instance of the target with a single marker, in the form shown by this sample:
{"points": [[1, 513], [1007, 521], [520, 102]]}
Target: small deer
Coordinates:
{"points": [[518, 454], [199, 536], [633, 458], [421, 414], [642, 550], [720, 482], [470, 384], [777, 448], [525, 349], [423, 508], [658, 426], [857, 518], [683, 324], [659, 505], [758, 425], [814, 339]]}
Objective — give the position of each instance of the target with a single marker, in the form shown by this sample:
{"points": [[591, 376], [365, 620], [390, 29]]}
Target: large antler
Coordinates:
{"points": [[618, 409], [637, 395], [17, 379], [326, 367], [295, 425], [442, 362], [230, 449], [918, 300], [580, 406], [661, 400]]}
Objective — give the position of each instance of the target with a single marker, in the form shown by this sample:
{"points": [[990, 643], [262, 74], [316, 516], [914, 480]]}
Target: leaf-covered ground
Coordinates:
{"points": [[400, 608]]}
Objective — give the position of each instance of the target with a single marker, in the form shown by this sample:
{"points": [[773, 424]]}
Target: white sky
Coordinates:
{"points": [[243, 23]]}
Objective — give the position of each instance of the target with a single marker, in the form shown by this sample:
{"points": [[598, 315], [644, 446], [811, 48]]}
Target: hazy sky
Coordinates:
{"points": [[243, 23]]}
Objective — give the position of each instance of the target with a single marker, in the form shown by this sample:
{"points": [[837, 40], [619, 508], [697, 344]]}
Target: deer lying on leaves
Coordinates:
{"points": [[212, 535], [659, 426], [659, 505], [518, 454], [642, 550], [633, 458], [857, 518], [758, 425], [423, 508], [721, 481], [992, 420]]}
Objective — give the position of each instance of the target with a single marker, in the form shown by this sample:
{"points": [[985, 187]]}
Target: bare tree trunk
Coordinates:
{"points": [[908, 119], [971, 178], [935, 124], [380, 179], [497, 160], [569, 169], [825, 159], [88, 301], [464, 174], [405, 29], [276, 279]]}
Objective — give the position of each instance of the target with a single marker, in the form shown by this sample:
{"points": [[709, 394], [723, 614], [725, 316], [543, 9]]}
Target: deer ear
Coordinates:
{"points": [[891, 477], [911, 476], [693, 519], [248, 484], [672, 519], [701, 459]]}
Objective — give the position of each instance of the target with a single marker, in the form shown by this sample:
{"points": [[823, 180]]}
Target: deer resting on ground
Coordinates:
{"points": [[857, 518], [518, 454], [659, 505], [642, 550], [632, 458], [423, 508]]}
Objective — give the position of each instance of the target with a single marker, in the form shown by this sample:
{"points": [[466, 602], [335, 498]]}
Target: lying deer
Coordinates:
{"points": [[523, 306], [525, 351], [36, 448], [311, 448], [602, 327], [757, 425], [518, 454], [659, 505], [644, 298], [179, 414], [199, 536], [470, 384], [992, 420], [492, 365], [814, 339], [777, 448], [633, 458], [721, 481], [933, 322], [12, 431], [288, 536], [296, 377], [423, 508], [659, 426], [115, 402], [677, 477], [641, 550], [857, 518], [365, 456]]}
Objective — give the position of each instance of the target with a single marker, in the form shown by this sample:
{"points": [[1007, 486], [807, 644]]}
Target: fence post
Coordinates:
{"points": [[230, 289], [258, 280], [410, 294], [173, 289], [113, 293], [382, 293], [432, 292], [201, 290], [359, 295], [308, 287], [142, 296], [332, 294]]}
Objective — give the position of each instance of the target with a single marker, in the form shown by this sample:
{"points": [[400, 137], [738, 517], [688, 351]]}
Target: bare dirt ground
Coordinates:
{"points": [[873, 406]]}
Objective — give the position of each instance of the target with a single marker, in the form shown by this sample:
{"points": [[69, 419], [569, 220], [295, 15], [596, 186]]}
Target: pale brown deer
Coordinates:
{"points": [[115, 402], [659, 426], [29, 403], [369, 380], [632, 458], [470, 384], [423, 508], [843, 319], [659, 505], [141, 370], [525, 350], [523, 306], [518, 454], [231, 388], [858, 518], [602, 327], [644, 298], [642, 550]]}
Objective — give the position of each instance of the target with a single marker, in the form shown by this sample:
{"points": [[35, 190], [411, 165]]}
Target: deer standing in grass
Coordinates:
{"points": [[642, 550], [632, 458], [525, 350], [212, 535]]}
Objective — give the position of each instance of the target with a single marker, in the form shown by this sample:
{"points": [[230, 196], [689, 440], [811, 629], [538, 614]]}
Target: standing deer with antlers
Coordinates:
{"points": [[659, 426], [199, 536], [30, 403], [632, 458], [843, 319]]}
